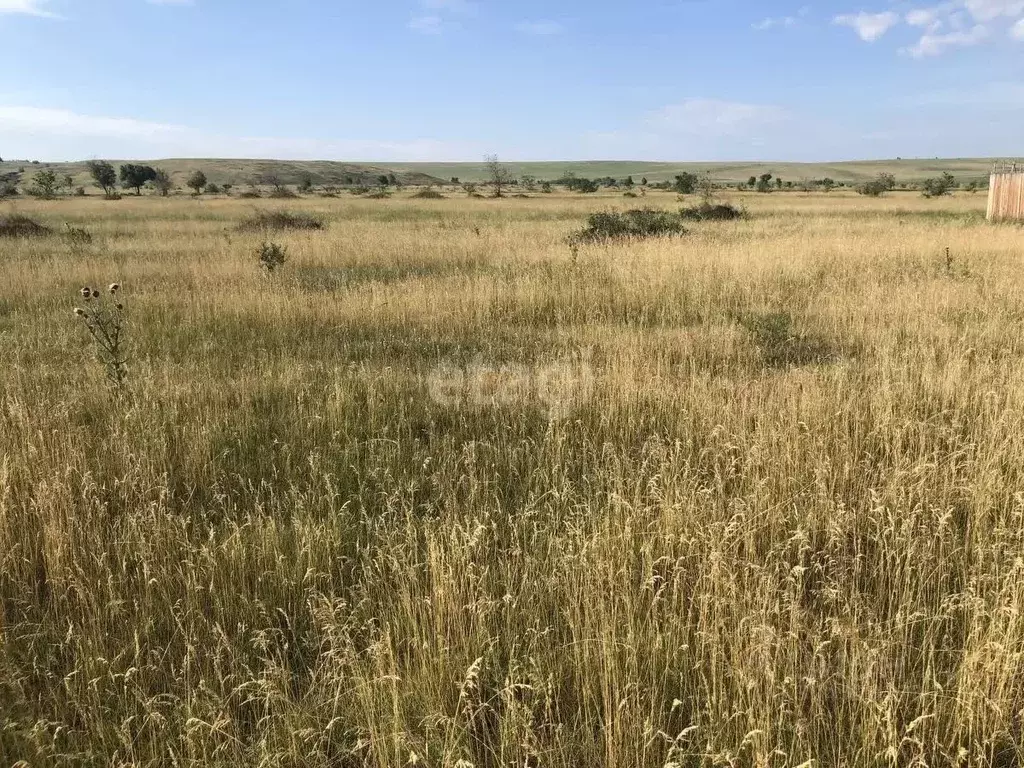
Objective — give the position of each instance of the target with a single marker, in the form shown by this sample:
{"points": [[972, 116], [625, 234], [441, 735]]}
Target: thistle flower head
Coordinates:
{"points": [[115, 287], [80, 312], [95, 294], [86, 292]]}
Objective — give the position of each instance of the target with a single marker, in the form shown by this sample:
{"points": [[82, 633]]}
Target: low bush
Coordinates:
{"points": [[17, 225], [282, 193], [278, 220], [429, 194], [711, 212], [632, 224]]}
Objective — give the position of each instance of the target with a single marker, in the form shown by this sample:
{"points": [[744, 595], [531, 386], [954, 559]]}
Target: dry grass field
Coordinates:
{"points": [[444, 491]]}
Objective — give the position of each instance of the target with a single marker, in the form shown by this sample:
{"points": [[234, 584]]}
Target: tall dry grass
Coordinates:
{"points": [[443, 492]]}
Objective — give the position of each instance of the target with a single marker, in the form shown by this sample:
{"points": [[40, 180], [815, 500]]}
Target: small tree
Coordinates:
{"points": [[887, 180], [778, 183], [752, 181], [764, 183], [135, 176], [162, 182], [706, 188], [383, 180], [104, 176], [643, 181], [69, 183], [305, 183], [940, 186], [196, 182], [529, 183], [827, 184], [46, 184], [874, 188], [686, 183], [628, 183], [501, 176]]}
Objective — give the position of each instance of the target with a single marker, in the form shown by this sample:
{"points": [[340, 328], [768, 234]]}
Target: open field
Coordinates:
{"points": [[445, 491], [965, 169], [239, 172]]}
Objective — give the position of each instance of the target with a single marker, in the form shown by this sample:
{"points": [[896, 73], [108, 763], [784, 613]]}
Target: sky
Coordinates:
{"points": [[453, 80]]}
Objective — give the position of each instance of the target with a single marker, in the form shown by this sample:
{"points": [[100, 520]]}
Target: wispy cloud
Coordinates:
{"points": [[775, 22], [933, 43], [435, 16], [868, 26], [79, 135], [29, 7], [540, 28], [426, 25], [65, 122]]}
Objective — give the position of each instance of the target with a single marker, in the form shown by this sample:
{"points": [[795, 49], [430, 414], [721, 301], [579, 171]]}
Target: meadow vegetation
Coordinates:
{"points": [[443, 489]]}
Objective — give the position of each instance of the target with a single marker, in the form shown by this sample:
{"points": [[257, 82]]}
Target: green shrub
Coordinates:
{"points": [[637, 223], [271, 256], [429, 194], [279, 220], [711, 212]]}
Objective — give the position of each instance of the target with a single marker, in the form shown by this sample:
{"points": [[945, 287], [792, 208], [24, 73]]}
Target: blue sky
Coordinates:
{"points": [[404, 80]]}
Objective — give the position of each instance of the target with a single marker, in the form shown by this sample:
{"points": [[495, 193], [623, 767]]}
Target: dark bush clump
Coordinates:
{"points": [[277, 220], [16, 225], [637, 223], [429, 194], [711, 212]]}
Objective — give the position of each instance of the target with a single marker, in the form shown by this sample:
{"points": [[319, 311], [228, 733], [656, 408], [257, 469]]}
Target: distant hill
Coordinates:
{"points": [[326, 172], [238, 172], [965, 169]]}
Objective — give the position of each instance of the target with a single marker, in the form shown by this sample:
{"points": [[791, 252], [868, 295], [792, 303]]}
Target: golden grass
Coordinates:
{"points": [[442, 492]]}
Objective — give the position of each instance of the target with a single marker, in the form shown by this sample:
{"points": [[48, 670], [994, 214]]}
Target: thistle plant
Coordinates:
{"points": [[271, 256], [104, 317]]}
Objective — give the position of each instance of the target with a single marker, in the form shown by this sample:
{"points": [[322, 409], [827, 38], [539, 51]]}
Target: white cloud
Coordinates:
{"points": [[30, 7], [951, 24], [868, 26], [987, 10], [540, 28], [932, 44]]}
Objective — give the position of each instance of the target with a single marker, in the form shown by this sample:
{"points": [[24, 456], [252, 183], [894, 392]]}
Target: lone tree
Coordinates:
{"points": [[196, 182], [104, 175], [501, 176], [68, 183], [46, 184], [162, 181], [752, 181], [686, 183], [764, 183], [940, 186], [827, 184], [135, 176]]}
